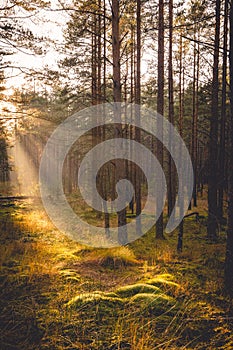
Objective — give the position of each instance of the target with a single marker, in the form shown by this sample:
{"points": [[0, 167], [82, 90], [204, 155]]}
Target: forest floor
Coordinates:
{"points": [[57, 294]]}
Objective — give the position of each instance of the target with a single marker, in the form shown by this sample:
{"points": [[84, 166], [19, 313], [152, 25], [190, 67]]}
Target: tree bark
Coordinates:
{"points": [[132, 90], [195, 117], [116, 52], [213, 143], [138, 117], [229, 245], [120, 168], [181, 117], [171, 167], [160, 107], [222, 172]]}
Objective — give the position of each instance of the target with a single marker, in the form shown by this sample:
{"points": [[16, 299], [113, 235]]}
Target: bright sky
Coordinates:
{"points": [[47, 24]]}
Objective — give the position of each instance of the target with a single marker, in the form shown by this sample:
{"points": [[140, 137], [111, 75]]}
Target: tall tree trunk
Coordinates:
{"points": [[98, 83], [104, 53], [181, 117], [160, 107], [120, 168], [222, 172], [116, 52], [138, 116], [99, 54], [197, 169], [132, 86], [94, 73], [229, 246], [213, 143], [104, 97], [171, 167], [195, 116], [94, 61], [181, 86]]}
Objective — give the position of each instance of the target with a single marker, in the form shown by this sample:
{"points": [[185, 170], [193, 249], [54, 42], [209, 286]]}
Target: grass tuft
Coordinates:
{"points": [[131, 290], [158, 302], [94, 298], [111, 258], [165, 282]]}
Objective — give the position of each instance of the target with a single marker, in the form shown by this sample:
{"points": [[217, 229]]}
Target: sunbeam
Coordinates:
{"points": [[23, 174]]}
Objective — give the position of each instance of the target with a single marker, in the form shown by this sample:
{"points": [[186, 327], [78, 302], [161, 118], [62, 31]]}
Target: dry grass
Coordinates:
{"points": [[141, 297], [111, 258]]}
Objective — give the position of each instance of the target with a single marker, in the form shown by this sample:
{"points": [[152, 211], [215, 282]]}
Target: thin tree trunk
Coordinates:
{"points": [[98, 84], [222, 173], [195, 117], [171, 168], [160, 107], [181, 116], [197, 170], [120, 169], [213, 143], [116, 52], [94, 60], [194, 120], [181, 94], [132, 48], [105, 173], [229, 246], [99, 54], [138, 102]]}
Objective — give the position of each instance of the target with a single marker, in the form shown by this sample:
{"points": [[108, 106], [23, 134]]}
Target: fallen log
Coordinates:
{"points": [[16, 198]]}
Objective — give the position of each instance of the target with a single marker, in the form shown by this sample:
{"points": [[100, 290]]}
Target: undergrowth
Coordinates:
{"points": [[58, 294]]}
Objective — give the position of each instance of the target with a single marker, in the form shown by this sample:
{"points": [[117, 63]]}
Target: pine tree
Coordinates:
{"points": [[229, 246], [213, 142]]}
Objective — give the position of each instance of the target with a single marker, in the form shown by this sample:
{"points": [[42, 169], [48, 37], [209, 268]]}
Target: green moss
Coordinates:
{"points": [[152, 301], [131, 290], [161, 282], [95, 298]]}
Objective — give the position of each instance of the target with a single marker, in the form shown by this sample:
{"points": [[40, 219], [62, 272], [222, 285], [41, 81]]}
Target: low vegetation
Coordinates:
{"points": [[57, 294]]}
